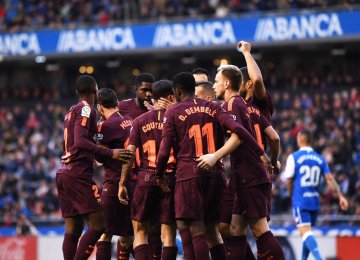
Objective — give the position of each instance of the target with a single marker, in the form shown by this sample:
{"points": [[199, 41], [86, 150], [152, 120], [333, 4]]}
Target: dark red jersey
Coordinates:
{"points": [[146, 135], [113, 133], [128, 107], [79, 144], [196, 126]]}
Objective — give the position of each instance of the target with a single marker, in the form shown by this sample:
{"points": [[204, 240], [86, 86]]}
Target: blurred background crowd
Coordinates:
{"points": [[17, 15]]}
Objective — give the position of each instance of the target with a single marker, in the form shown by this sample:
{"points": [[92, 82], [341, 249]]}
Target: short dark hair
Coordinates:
{"points": [[107, 98], [200, 71], [184, 81], [204, 84], [244, 74], [307, 134], [233, 74], [144, 77], [162, 89], [85, 85]]}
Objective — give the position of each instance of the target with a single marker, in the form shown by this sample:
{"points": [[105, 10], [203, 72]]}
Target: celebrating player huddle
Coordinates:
{"points": [[164, 169]]}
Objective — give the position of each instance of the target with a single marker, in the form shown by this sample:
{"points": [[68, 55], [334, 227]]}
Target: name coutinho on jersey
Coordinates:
{"points": [[152, 125], [197, 109]]}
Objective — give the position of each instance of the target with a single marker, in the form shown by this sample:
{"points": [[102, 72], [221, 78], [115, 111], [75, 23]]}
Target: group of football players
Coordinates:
{"points": [[162, 153]]}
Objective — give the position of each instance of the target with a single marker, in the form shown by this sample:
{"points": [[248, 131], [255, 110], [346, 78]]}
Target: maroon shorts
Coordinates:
{"points": [[227, 202], [199, 199], [255, 201], [117, 217], [150, 204], [77, 196]]}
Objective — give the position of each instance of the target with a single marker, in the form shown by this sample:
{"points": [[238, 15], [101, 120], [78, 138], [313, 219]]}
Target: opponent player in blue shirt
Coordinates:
{"points": [[304, 169]]}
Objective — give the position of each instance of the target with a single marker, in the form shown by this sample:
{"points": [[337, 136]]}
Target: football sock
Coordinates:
{"points": [[218, 252], [268, 246], [311, 244], [201, 247], [238, 247], [103, 250], [142, 252], [187, 244], [124, 253], [87, 243], [155, 245], [169, 253], [69, 246]]}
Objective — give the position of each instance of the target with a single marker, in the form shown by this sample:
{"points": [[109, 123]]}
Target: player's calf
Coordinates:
{"points": [[168, 234]]}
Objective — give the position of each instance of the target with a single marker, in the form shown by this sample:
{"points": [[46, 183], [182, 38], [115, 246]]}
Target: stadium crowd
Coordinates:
{"points": [[16, 15], [31, 145]]}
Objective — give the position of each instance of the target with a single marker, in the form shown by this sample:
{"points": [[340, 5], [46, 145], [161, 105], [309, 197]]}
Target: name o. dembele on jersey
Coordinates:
{"points": [[196, 126]]}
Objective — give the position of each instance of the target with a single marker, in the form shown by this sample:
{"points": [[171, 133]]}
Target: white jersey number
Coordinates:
{"points": [[310, 176]]}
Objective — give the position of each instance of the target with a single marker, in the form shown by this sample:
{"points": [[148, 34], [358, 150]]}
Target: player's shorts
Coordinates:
{"points": [[117, 216], [254, 202], [304, 217], [77, 196], [151, 204], [227, 202], [199, 199]]}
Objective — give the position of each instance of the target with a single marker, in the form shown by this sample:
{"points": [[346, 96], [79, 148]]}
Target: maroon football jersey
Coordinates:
{"points": [[196, 126], [79, 144], [245, 163], [237, 108], [113, 133], [265, 105], [128, 107], [146, 135], [259, 123]]}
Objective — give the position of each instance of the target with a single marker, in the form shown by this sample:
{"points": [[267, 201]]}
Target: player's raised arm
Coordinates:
{"points": [[253, 70]]}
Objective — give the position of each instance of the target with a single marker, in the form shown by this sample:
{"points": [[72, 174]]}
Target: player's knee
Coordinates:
{"points": [[224, 229], [168, 233], [236, 230], [259, 228], [125, 242], [181, 225], [197, 228], [105, 237], [98, 226]]}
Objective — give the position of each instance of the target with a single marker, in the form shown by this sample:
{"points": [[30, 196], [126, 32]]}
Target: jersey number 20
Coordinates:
{"points": [[310, 176]]}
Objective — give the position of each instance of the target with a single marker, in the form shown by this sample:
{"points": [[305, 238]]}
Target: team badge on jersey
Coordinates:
{"points": [[164, 120], [85, 111]]}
